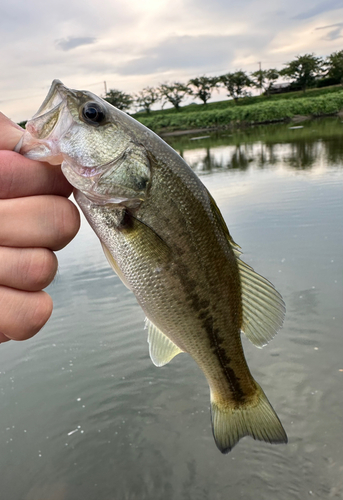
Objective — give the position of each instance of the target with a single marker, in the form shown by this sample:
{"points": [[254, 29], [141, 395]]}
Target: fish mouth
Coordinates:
{"points": [[43, 123], [56, 94], [45, 128]]}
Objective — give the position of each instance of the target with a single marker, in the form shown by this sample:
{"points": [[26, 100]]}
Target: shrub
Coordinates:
{"points": [[264, 112]]}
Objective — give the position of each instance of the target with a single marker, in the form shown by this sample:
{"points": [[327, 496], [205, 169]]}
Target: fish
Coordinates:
{"points": [[165, 238]]}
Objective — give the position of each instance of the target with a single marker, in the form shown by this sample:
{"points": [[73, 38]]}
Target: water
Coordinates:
{"points": [[85, 414]]}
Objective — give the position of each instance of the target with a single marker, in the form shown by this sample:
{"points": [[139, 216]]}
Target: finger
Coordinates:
{"points": [[3, 338], [20, 176], [10, 133], [23, 314], [30, 269], [38, 221]]}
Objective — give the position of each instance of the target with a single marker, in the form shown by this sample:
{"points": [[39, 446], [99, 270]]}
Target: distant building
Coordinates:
{"points": [[281, 88]]}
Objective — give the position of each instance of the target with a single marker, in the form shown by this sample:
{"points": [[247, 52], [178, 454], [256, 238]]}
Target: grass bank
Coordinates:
{"points": [[257, 110]]}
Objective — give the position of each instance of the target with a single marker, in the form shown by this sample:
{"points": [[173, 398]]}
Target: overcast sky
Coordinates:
{"points": [[134, 43]]}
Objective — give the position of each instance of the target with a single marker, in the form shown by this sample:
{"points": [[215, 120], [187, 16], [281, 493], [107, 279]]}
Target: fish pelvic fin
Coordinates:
{"points": [[259, 420], [114, 265], [161, 348]]}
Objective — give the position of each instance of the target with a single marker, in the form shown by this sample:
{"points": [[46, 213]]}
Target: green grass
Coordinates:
{"points": [[318, 102]]}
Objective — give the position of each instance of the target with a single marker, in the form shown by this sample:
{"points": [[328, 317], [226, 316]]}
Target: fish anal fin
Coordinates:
{"points": [[114, 265], [259, 420], [161, 348], [263, 306]]}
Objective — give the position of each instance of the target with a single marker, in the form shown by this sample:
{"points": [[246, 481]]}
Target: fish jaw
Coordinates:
{"points": [[41, 139]]}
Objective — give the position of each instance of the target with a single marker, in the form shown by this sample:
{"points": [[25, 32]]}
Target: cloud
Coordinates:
{"points": [[321, 7], [337, 32], [73, 41], [132, 44], [190, 52], [220, 8]]}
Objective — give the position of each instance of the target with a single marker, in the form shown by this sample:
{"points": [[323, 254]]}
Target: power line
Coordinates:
{"points": [[96, 83], [44, 89]]}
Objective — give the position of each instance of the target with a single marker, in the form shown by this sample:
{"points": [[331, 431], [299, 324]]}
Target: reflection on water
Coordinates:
{"points": [[317, 143], [85, 414]]}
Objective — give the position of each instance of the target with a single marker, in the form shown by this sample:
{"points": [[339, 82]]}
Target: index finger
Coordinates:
{"points": [[20, 176]]}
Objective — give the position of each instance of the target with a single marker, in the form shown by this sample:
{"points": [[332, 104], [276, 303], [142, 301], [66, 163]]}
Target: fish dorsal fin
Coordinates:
{"points": [[161, 348], [113, 263], [263, 306]]}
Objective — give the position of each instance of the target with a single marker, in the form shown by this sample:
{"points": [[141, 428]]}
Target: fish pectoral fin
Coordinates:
{"points": [[113, 263], [263, 306], [258, 420], [161, 348]]}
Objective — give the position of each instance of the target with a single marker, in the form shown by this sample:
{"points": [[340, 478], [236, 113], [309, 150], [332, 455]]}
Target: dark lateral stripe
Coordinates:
{"points": [[224, 359]]}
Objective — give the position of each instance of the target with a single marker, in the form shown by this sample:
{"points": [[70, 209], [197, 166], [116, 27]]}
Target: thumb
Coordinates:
{"points": [[10, 133]]}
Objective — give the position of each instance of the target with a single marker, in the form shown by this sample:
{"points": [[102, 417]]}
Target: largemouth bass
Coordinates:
{"points": [[164, 236]]}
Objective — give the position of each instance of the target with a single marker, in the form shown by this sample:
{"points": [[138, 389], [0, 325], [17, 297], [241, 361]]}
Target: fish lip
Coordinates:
{"points": [[57, 89], [57, 94], [52, 103]]}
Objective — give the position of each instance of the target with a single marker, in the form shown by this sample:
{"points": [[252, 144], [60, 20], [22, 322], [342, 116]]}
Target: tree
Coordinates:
{"points": [[304, 70], [146, 98], [203, 87], [236, 83], [119, 99], [264, 79], [334, 65], [174, 93]]}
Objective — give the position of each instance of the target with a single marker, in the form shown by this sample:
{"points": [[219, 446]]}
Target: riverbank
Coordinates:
{"points": [[227, 115]]}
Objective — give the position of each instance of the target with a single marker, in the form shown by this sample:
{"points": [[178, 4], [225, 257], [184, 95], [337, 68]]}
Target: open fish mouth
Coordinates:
{"points": [[56, 94], [46, 127]]}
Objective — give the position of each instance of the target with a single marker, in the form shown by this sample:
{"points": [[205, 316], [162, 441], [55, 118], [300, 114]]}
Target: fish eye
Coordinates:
{"points": [[93, 113]]}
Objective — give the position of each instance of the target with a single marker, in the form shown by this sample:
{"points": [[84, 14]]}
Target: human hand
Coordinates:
{"points": [[36, 219]]}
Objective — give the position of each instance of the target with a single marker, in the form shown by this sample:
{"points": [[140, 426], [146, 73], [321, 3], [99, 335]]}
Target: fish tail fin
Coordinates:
{"points": [[258, 420]]}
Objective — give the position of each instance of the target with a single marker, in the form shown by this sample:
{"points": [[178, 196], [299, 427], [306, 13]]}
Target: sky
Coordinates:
{"points": [[131, 44]]}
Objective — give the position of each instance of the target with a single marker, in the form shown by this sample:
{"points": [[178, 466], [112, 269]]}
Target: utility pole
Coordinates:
{"points": [[105, 85], [260, 69]]}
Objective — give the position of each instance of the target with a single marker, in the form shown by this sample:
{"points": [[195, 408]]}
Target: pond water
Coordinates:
{"points": [[85, 414]]}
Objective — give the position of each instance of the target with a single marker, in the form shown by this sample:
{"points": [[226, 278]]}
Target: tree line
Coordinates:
{"points": [[302, 73]]}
